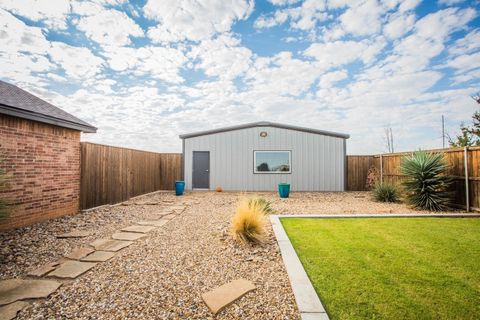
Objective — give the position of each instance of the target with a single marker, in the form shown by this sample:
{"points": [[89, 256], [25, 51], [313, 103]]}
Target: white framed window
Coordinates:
{"points": [[269, 161]]}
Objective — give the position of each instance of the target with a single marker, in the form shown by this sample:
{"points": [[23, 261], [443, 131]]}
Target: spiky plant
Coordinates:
{"points": [[4, 204], [249, 223], [263, 204], [385, 192], [426, 182]]}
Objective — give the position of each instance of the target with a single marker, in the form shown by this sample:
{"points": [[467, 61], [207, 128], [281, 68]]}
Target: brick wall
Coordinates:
{"points": [[43, 163]]}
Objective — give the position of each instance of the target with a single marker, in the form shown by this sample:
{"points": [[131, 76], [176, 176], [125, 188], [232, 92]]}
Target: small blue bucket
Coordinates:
{"points": [[179, 187], [283, 190]]}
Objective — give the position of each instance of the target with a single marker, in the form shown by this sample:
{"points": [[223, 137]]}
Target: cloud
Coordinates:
{"points": [[52, 13], [191, 20]]}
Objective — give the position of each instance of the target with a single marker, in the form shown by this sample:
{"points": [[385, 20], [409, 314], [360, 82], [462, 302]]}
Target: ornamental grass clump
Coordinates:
{"points": [[263, 204], [426, 182], [249, 223], [386, 192]]}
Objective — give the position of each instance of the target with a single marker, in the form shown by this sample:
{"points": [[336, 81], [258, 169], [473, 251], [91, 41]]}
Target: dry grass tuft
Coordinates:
{"points": [[249, 223], [218, 189]]}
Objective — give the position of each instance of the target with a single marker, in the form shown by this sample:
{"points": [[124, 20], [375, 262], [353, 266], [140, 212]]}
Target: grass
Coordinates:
{"points": [[392, 268], [249, 223]]}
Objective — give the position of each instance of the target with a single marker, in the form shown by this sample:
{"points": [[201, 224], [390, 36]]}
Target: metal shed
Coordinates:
{"points": [[257, 156]]}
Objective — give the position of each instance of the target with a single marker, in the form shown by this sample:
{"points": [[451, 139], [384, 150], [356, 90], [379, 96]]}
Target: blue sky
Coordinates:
{"points": [[144, 72]]}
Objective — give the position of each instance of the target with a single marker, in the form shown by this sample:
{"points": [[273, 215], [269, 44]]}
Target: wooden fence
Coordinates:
{"points": [[388, 165], [110, 174]]}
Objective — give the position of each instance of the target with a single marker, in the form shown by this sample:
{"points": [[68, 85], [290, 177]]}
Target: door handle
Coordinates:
{"points": [[206, 170]]}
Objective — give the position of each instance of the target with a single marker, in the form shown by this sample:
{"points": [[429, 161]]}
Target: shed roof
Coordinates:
{"points": [[265, 124], [19, 103]]}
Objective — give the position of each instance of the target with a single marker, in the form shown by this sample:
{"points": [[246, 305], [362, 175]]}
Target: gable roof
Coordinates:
{"points": [[265, 124], [19, 103]]}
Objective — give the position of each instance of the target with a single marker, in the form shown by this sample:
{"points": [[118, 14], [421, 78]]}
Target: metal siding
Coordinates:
{"points": [[317, 160]]}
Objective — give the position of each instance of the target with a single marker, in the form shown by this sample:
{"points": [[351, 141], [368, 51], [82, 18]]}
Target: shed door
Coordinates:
{"points": [[201, 168]]}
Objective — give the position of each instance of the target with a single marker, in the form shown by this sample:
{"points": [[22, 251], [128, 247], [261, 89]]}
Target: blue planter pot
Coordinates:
{"points": [[283, 190], [179, 187]]}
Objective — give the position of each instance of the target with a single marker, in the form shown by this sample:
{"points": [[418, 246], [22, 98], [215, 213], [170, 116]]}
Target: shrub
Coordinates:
{"points": [[4, 204], [426, 183], [385, 192], [263, 204], [249, 223]]}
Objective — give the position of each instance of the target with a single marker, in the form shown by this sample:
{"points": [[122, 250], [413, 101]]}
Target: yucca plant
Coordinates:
{"points": [[249, 223], [263, 204], [385, 192], [4, 204], [426, 183]]}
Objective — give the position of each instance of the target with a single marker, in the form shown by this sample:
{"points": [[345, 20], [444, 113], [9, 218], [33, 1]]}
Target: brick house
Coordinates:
{"points": [[40, 150]]}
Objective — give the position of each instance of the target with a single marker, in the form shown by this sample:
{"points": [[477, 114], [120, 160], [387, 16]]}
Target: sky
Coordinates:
{"points": [[144, 72]]}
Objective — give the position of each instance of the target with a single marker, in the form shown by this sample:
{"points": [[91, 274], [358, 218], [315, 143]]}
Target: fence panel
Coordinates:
{"points": [[111, 174], [359, 165]]}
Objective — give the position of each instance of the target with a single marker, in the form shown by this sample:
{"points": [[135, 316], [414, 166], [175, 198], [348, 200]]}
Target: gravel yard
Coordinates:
{"points": [[163, 275]]}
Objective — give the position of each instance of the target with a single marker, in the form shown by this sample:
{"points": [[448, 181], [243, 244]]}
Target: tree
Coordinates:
{"points": [[470, 135]]}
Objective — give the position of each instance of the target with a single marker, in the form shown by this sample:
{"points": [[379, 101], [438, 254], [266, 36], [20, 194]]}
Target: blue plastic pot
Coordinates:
{"points": [[283, 190], [179, 187]]}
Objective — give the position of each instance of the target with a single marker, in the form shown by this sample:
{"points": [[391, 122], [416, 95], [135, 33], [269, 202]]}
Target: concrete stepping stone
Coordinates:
{"points": [[110, 245], [138, 229], [219, 298], [129, 236], [178, 208], [164, 213], [11, 310], [99, 256], [71, 269], [74, 234], [43, 270], [169, 217], [12, 290], [79, 253], [155, 223]]}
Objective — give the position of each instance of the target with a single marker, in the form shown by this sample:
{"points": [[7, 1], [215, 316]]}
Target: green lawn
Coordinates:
{"points": [[392, 268]]}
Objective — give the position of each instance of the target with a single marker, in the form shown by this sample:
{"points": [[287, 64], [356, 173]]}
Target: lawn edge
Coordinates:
{"points": [[383, 215], [308, 302]]}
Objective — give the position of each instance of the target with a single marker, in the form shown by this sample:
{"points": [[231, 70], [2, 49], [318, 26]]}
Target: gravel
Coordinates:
{"points": [[163, 275]]}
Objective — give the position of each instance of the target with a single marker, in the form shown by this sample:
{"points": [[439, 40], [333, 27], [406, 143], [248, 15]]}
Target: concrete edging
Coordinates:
{"points": [[308, 302], [383, 215]]}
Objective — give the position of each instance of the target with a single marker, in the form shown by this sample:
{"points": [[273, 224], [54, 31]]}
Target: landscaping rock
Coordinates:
{"points": [[74, 234], [99, 256], [17, 289], [11, 310], [43, 270], [79, 253], [71, 269], [138, 229], [110, 245], [219, 298], [129, 236]]}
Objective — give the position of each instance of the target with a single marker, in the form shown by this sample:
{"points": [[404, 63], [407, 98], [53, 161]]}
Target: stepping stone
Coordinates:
{"points": [[164, 213], [178, 208], [110, 245], [17, 289], [219, 298], [43, 270], [138, 229], [74, 234], [79, 253], [155, 223], [11, 310], [169, 217], [71, 269], [129, 236], [99, 256]]}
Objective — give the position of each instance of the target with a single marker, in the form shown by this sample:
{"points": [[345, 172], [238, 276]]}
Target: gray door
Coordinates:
{"points": [[201, 168]]}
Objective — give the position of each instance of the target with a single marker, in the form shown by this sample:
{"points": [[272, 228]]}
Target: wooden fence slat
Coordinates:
{"points": [[110, 174]]}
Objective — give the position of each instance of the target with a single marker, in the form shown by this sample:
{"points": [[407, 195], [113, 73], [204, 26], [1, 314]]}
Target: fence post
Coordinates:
{"points": [[381, 169], [467, 193]]}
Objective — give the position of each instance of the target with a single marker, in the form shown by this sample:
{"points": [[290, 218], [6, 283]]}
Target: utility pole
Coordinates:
{"points": [[443, 131]]}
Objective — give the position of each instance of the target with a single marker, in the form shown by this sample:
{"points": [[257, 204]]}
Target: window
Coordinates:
{"points": [[272, 161]]}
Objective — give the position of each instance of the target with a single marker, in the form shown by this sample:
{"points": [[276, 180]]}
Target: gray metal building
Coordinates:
{"points": [[257, 156]]}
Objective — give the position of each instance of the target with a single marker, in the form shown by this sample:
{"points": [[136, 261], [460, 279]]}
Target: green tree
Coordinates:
{"points": [[470, 135]]}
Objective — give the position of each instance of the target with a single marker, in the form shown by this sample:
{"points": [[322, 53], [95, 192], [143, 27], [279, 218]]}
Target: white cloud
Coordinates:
{"points": [[363, 19], [398, 25], [465, 62], [191, 20], [52, 13], [108, 27], [467, 44]]}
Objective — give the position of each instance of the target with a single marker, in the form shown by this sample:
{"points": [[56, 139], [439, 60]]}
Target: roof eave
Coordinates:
{"points": [[20, 113], [264, 124]]}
